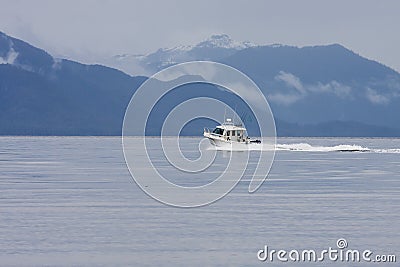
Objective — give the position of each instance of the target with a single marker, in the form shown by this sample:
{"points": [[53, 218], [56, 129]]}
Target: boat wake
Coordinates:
{"points": [[305, 147], [310, 148], [338, 148]]}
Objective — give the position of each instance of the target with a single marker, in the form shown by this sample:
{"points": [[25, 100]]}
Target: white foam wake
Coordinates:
{"points": [[338, 148], [310, 148], [393, 150], [305, 147]]}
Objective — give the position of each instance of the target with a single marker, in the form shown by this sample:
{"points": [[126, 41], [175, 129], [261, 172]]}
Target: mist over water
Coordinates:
{"points": [[71, 201]]}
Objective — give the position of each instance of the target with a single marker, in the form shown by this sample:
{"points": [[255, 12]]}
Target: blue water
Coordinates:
{"points": [[71, 201]]}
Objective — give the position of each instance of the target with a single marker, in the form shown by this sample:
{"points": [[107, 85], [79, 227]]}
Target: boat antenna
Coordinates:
{"points": [[243, 116], [225, 115], [234, 115]]}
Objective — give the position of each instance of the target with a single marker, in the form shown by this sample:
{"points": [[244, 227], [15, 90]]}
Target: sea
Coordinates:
{"points": [[71, 201]]}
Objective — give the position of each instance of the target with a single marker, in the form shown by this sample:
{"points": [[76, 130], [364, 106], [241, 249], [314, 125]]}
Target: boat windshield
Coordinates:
{"points": [[218, 131]]}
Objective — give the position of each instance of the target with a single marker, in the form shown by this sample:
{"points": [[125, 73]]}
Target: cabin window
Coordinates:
{"points": [[233, 133], [228, 133], [218, 131]]}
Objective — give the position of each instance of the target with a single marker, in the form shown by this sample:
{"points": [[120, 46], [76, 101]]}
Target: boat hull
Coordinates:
{"points": [[229, 145]]}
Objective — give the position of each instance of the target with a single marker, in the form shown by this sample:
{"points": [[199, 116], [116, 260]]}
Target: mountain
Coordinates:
{"points": [[42, 95], [309, 85], [322, 83], [214, 48], [313, 91], [303, 85]]}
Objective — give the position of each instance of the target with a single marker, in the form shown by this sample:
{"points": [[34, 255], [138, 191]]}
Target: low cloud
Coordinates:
{"points": [[284, 99], [332, 87], [57, 63], [10, 57], [302, 89], [394, 86], [375, 98], [291, 81]]}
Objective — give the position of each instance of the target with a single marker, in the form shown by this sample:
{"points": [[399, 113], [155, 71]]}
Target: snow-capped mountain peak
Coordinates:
{"points": [[223, 41], [213, 48]]}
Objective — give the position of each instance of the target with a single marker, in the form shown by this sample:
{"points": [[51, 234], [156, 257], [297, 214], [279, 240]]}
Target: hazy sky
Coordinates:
{"points": [[86, 30]]}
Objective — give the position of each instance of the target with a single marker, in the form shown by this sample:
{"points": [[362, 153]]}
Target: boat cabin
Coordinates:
{"points": [[229, 131]]}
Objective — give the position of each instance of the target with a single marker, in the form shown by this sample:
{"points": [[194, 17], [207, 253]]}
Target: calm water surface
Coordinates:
{"points": [[71, 201]]}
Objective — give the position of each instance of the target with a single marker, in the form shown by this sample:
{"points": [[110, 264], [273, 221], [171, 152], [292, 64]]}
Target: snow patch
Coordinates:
{"points": [[224, 41]]}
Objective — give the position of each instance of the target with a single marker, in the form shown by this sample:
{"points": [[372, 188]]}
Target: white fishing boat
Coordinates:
{"points": [[228, 135]]}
